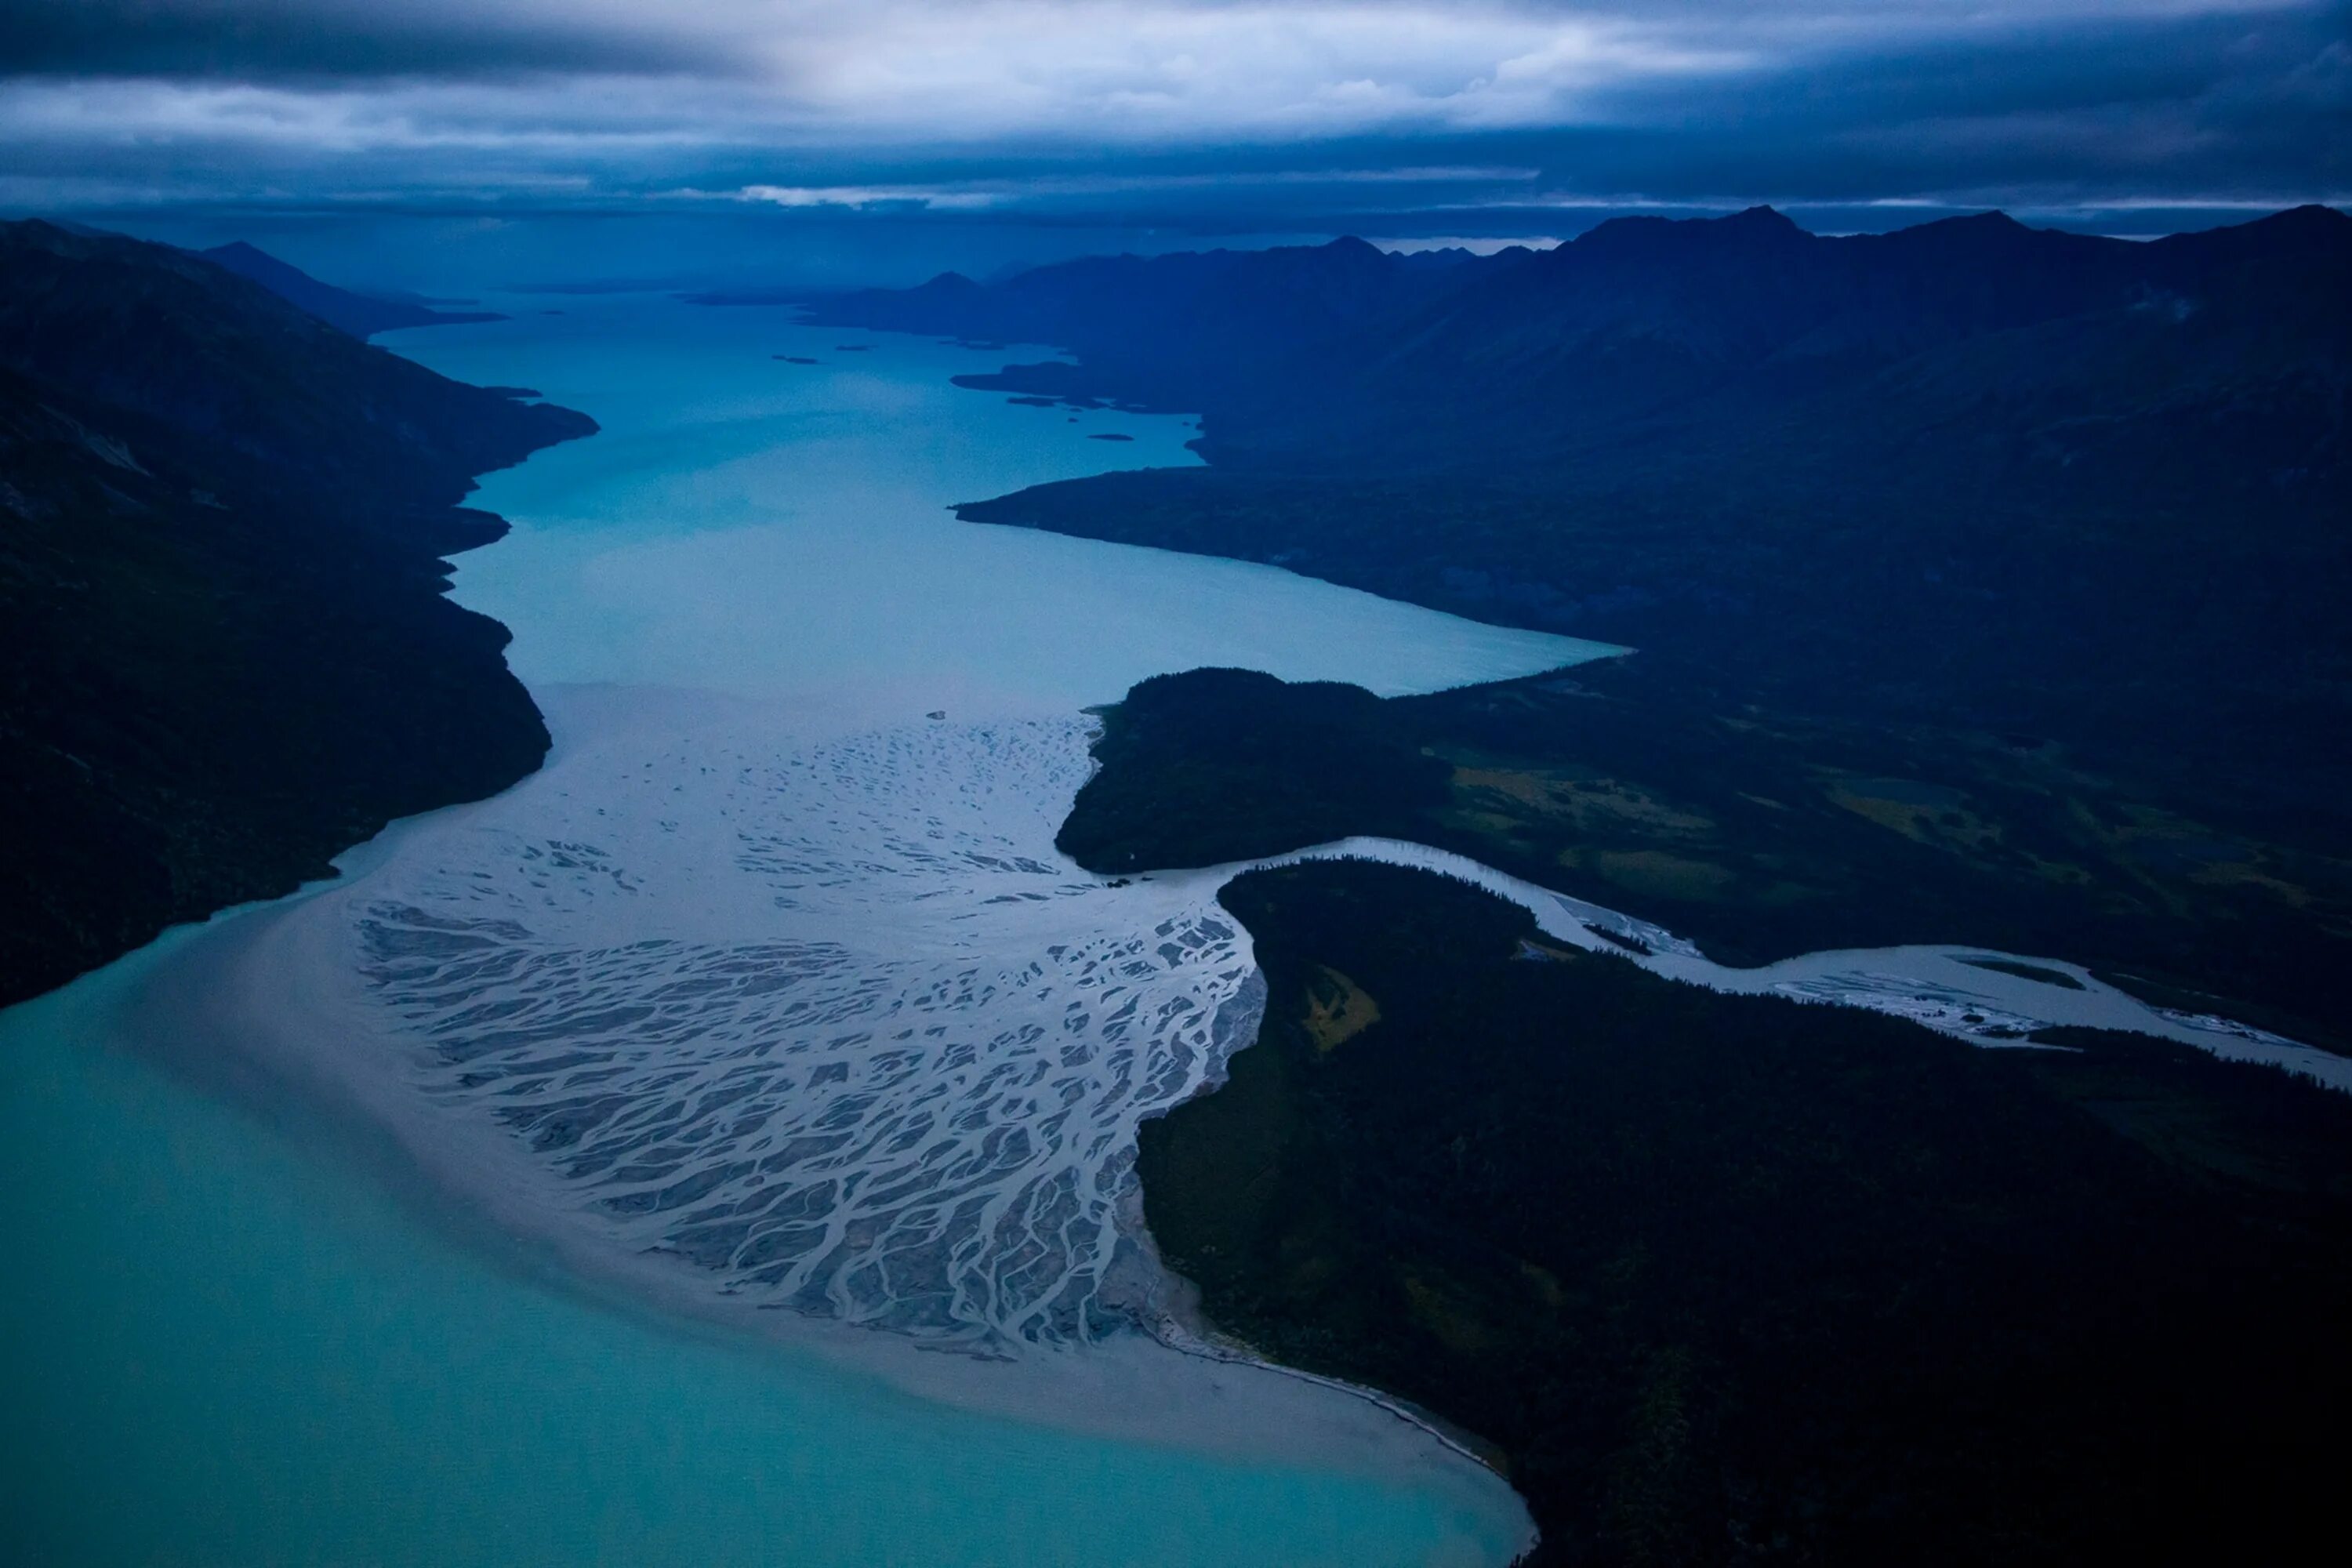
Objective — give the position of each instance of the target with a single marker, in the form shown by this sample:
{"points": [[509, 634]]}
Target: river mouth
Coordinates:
{"points": [[773, 975], [819, 1027], [752, 1054], [756, 1050], [247, 1346]]}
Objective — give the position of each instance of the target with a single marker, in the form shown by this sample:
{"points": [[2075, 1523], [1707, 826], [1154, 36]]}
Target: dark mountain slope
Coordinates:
{"points": [[226, 649], [1664, 333], [1122, 304], [361, 315], [2091, 489], [1170, 331], [2056, 527], [1704, 331], [160, 336], [1734, 1280], [1987, 586]]}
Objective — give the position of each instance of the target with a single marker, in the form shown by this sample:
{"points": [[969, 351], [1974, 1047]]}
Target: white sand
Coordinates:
{"points": [[907, 923]]}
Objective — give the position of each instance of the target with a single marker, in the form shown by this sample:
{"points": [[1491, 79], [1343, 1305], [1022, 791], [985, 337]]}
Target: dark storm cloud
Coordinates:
{"points": [[1207, 113], [2259, 103], [274, 39]]}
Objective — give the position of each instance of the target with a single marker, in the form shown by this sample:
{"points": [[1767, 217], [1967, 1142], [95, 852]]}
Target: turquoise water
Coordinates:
{"points": [[761, 527], [225, 1340], [223, 1348]]}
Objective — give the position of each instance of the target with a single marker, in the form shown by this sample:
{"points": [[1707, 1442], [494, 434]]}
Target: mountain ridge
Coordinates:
{"points": [[1957, 498], [1633, 453], [1637, 315], [229, 655], [362, 315]]}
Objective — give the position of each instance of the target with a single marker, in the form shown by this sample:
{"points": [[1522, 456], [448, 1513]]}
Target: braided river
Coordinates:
{"points": [[718, 1148]]}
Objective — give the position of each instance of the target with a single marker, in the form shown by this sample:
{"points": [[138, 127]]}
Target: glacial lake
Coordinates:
{"points": [[713, 1149]]}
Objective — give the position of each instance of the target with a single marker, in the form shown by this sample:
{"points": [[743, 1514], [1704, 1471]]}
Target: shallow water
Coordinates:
{"points": [[768, 991], [766, 528], [773, 973], [222, 1347]]}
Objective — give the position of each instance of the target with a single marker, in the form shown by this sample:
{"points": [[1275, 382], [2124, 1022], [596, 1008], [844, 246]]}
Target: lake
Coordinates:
{"points": [[715, 1149]]}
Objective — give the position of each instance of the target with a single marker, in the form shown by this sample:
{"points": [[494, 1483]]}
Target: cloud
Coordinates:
{"points": [[1180, 106], [313, 39], [862, 196]]}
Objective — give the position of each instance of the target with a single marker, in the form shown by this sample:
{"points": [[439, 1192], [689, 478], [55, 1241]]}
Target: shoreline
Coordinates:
{"points": [[1992, 1008], [956, 1379], [226, 1008], [348, 1266], [249, 655], [1166, 1305], [1175, 1317]]}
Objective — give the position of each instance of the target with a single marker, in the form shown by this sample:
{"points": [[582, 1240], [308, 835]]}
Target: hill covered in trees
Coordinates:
{"points": [[222, 618], [1970, 474], [1986, 583], [1743, 1280]]}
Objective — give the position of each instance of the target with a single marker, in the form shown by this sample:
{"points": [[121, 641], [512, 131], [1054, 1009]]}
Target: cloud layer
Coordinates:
{"points": [[1249, 107]]}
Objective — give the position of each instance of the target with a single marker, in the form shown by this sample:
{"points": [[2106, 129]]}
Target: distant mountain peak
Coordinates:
{"points": [[2311, 218], [1648, 234], [1991, 219], [361, 315]]}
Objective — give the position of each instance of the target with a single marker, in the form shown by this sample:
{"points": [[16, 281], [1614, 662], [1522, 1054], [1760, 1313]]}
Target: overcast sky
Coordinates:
{"points": [[1445, 117]]}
